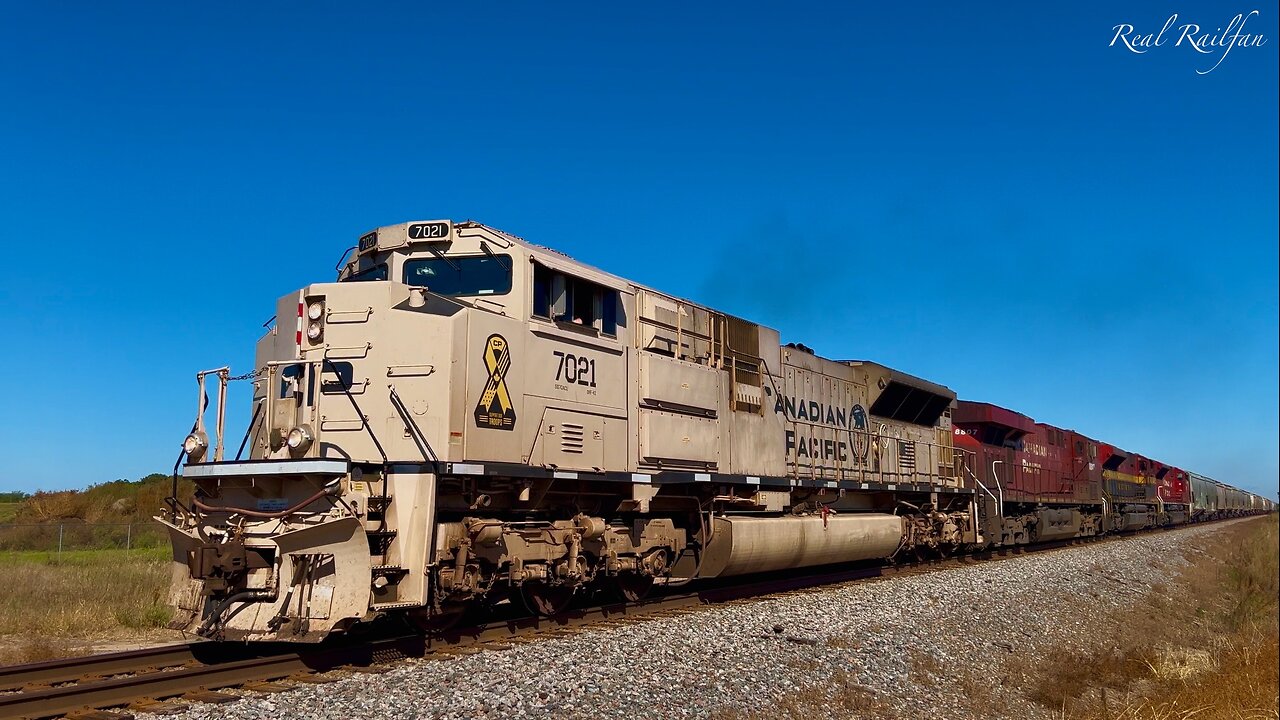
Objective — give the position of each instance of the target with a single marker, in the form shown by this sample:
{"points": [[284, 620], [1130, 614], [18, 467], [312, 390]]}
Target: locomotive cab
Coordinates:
{"points": [[305, 531]]}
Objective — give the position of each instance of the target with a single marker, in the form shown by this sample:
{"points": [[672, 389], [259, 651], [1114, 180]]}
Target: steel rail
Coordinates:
{"points": [[158, 685], [53, 672], [76, 669]]}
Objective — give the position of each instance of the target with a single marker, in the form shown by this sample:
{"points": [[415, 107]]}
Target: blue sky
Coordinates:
{"points": [[991, 198]]}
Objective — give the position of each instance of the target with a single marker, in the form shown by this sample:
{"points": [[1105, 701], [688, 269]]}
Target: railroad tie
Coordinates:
{"points": [[464, 650], [99, 715], [157, 707], [210, 696], [267, 688], [366, 669], [313, 679]]}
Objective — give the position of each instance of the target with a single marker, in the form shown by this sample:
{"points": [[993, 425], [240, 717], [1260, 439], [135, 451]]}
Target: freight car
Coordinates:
{"points": [[465, 418]]}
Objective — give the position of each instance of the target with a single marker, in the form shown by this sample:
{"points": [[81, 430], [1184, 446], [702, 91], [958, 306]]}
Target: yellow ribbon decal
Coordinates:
{"points": [[495, 409]]}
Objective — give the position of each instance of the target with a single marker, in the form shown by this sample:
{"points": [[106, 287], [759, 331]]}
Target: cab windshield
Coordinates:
{"points": [[373, 274], [454, 276]]}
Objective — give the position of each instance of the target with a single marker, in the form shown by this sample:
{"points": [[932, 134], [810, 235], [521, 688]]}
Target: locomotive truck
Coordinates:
{"points": [[464, 418]]}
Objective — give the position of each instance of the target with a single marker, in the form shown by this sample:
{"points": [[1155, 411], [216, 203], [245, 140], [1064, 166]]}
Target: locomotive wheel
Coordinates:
{"points": [[546, 600], [634, 587]]}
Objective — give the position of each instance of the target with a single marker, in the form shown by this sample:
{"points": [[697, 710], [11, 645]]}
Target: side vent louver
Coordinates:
{"points": [[906, 456], [571, 438]]}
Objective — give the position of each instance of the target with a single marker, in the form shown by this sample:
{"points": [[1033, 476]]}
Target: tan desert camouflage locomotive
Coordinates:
{"points": [[465, 417]]}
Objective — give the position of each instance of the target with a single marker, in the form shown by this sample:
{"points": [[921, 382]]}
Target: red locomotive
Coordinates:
{"points": [[1048, 482]]}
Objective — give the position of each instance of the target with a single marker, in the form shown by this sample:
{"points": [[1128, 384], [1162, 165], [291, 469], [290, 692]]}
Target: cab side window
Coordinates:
{"points": [[541, 292], [574, 301]]}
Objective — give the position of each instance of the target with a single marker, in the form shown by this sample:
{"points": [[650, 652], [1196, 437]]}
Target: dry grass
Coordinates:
{"points": [[925, 668], [841, 696], [53, 606], [844, 642], [1205, 646]]}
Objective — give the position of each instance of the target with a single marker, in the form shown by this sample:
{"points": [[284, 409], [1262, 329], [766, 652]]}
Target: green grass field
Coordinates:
{"points": [[53, 604], [8, 511]]}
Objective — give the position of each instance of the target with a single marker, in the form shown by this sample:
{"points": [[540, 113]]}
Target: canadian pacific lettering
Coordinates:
{"points": [[818, 413], [818, 448], [807, 444]]}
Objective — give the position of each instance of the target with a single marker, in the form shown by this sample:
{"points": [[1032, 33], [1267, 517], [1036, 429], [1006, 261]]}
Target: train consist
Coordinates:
{"points": [[465, 418]]}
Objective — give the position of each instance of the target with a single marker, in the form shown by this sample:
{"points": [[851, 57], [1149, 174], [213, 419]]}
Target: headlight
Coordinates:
{"points": [[314, 331], [195, 446], [299, 438], [315, 310]]}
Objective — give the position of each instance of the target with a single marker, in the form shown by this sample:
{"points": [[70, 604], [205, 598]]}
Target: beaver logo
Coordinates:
{"points": [[858, 431]]}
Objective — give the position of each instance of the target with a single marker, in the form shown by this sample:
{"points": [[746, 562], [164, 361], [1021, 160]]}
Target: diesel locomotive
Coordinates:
{"points": [[464, 418]]}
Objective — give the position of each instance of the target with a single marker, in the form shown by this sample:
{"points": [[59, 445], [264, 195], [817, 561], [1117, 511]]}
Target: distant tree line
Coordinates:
{"points": [[115, 501]]}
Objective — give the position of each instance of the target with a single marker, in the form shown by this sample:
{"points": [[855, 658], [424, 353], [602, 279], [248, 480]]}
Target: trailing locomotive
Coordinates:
{"points": [[465, 418]]}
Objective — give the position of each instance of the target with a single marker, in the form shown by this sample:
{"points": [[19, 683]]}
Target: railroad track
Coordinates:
{"points": [[150, 679], [160, 679]]}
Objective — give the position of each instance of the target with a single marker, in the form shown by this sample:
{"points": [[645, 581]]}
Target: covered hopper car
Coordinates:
{"points": [[464, 418]]}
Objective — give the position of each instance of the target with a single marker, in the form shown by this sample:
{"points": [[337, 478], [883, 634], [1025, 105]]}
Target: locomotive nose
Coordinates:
{"points": [[262, 554]]}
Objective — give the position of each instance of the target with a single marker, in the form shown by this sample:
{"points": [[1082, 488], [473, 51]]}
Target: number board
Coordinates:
{"points": [[367, 242], [429, 231]]}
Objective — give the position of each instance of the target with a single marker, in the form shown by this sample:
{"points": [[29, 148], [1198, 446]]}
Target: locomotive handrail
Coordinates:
{"points": [[999, 486], [364, 420], [269, 515], [270, 374], [220, 411], [313, 391], [419, 437], [248, 432], [680, 330], [985, 489], [875, 438]]}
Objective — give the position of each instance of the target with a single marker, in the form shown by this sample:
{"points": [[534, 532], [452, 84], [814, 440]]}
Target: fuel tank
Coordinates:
{"points": [[1137, 521], [742, 545], [1057, 524]]}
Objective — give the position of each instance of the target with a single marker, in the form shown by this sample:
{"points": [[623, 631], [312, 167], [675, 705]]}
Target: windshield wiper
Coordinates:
{"points": [[501, 263], [441, 256]]}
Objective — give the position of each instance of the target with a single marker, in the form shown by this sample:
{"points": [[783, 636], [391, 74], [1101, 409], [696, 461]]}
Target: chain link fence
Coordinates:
{"points": [[69, 536]]}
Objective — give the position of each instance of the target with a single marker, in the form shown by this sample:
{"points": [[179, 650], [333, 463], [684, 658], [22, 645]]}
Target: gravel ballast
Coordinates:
{"points": [[904, 639]]}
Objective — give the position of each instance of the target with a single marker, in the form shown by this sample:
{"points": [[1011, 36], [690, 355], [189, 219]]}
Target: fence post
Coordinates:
{"points": [[128, 538], [59, 539]]}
